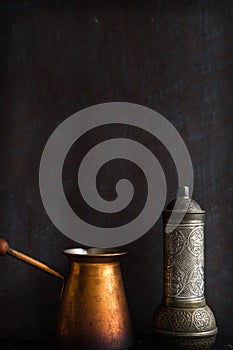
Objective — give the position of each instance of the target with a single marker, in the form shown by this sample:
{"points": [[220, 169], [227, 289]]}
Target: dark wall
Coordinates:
{"points": [[59, 57]]}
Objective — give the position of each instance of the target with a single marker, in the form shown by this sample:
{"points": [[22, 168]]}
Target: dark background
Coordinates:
{"points": [[58, 57]]}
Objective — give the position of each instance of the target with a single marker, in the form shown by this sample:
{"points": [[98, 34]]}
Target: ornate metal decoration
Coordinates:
{"points": [[183, 321]]}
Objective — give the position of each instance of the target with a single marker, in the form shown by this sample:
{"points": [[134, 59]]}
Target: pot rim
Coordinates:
{"points": [[93, 252]]}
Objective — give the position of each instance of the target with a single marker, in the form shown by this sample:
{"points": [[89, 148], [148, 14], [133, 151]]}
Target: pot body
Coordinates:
{"points": [[183, 320], [94, 312]]}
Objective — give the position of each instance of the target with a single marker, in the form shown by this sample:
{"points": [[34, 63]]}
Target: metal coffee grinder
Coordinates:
{"points": [[183, 321]]}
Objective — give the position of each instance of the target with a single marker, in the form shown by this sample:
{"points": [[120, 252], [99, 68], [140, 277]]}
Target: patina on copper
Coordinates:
{"points": [[183, 321], [94, 312]]}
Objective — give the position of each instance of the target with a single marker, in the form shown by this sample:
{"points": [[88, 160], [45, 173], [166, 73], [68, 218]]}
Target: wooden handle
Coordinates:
{"points": [[5, 249]]}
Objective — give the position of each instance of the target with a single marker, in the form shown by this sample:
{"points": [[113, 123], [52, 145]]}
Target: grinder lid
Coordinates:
{"points": [[183, 202]]}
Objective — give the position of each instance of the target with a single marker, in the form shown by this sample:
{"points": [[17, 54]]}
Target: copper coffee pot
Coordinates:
{"points": [[94, 312]]}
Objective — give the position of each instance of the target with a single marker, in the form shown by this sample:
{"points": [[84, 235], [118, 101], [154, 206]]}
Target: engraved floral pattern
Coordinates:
{"points": [[196, 244], [177, 280], [196, 281], [187, 320], [174, 242], [184, 262], [201, 319], [181, 320]]}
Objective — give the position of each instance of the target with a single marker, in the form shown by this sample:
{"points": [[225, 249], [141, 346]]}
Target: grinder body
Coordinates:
{"points": [[184, 321]]}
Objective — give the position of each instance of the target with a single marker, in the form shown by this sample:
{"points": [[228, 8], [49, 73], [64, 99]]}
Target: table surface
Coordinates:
{"points": [[32, 344]]}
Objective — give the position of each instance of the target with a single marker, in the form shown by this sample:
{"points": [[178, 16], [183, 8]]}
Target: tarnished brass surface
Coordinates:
{"points": [[190, 343], [194, 320], [183, 320], [94, 312]]}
